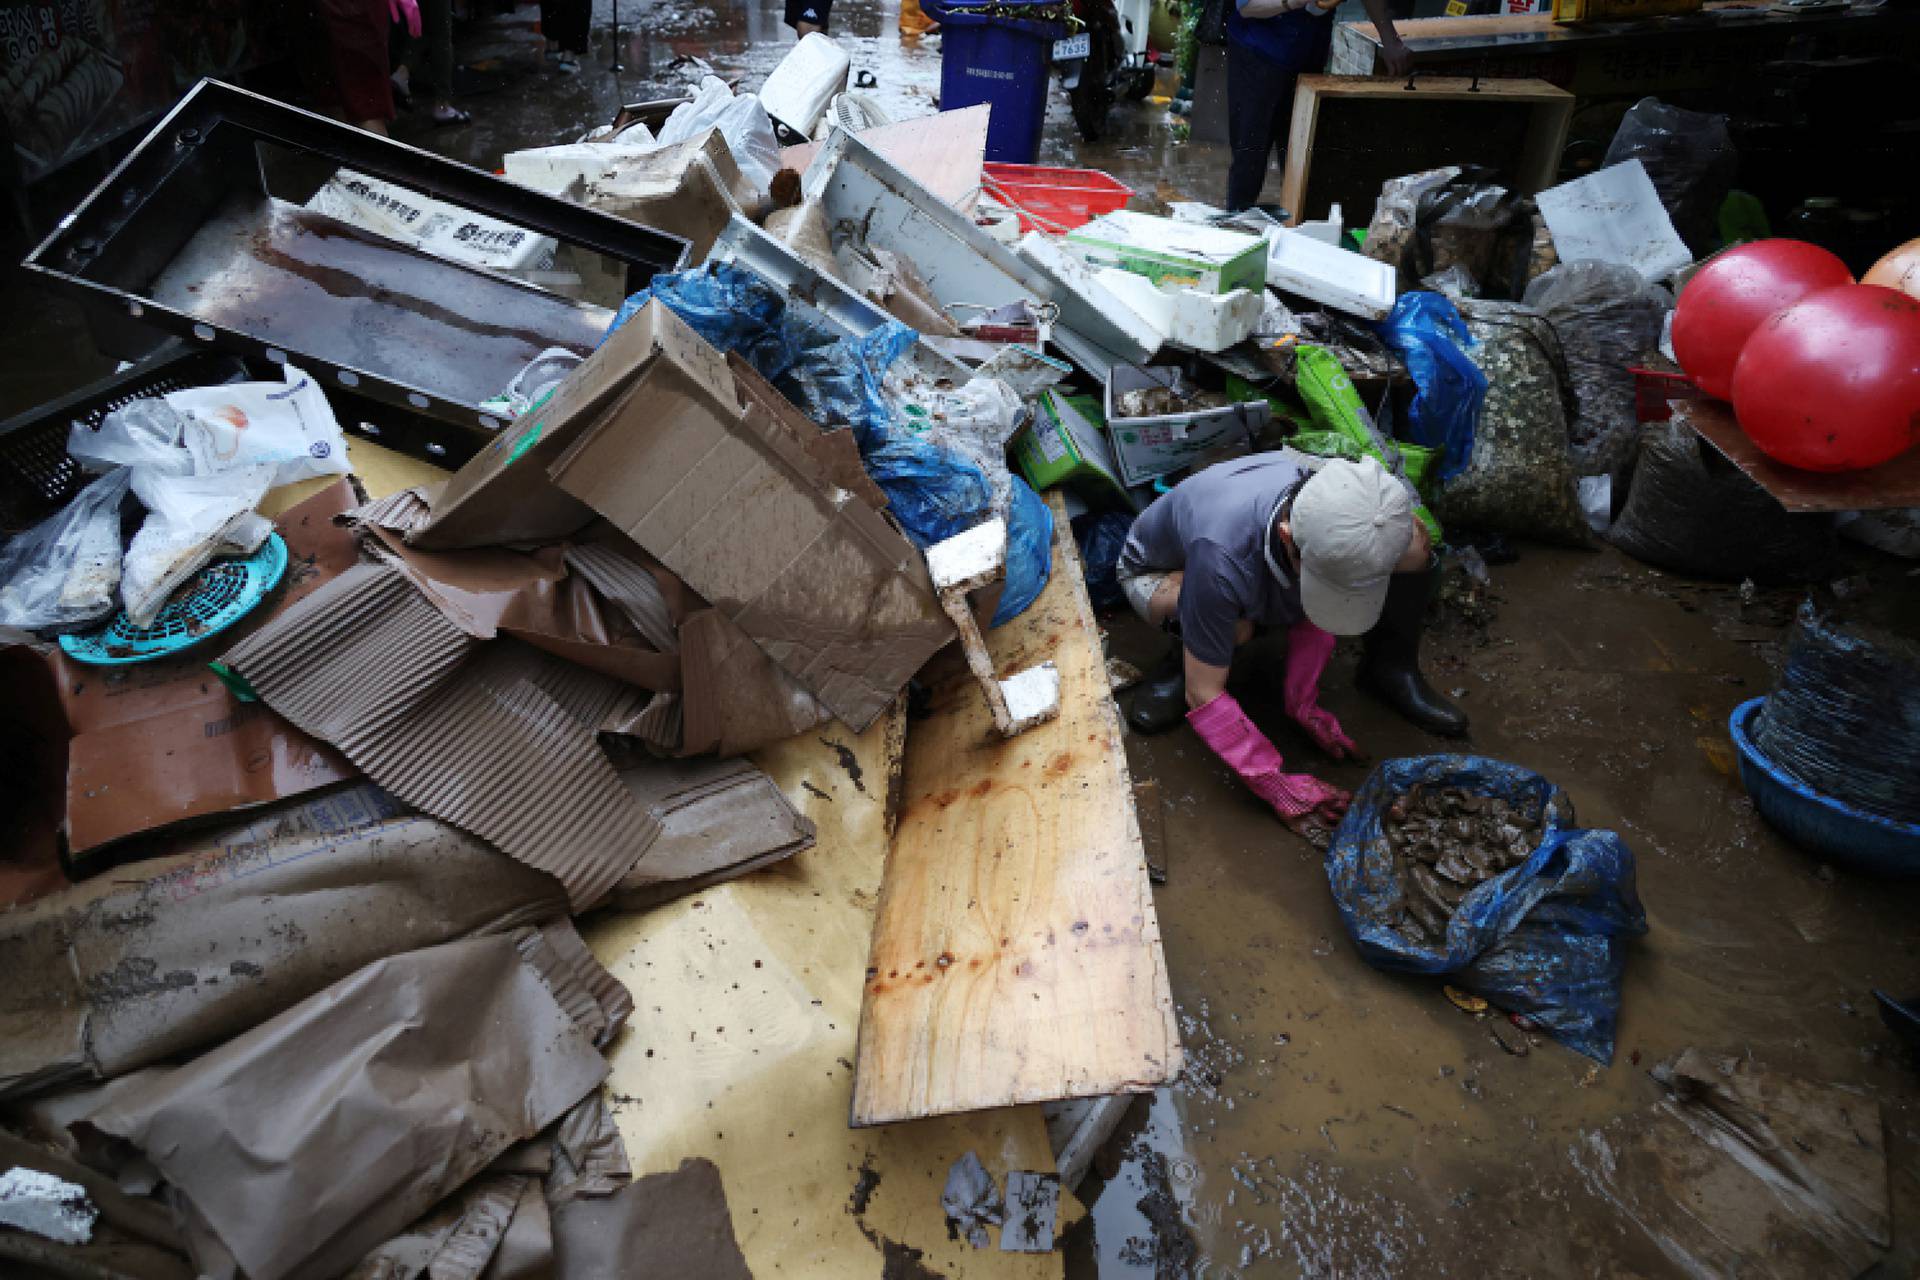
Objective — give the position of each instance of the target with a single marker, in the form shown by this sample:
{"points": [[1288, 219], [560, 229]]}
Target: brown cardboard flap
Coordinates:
{"points": [[177, 953], [733, 698], [503, 495], [413, 1074], [719, 819], [733, 504], [678, 1222]]}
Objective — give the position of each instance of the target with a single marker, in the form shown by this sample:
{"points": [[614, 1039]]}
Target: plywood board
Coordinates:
{"points": [[1349, 134], [741, 1047], [1017, 954], [944, 152], [1891, 484]]}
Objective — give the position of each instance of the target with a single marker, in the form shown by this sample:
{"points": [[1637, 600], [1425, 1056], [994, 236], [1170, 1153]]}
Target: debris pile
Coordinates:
{"points": [[1448, 842]]}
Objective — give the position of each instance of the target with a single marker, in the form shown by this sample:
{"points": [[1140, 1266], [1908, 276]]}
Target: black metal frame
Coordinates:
{"points": [[168, 185]]}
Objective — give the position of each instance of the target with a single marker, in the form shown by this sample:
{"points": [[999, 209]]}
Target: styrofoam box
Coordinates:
{"points": [[433, 226], [798, 90], [1332, 276]]}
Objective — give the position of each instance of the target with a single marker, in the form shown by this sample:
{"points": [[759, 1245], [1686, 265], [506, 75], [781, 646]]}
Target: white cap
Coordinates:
{"points": [[1351, 524]]}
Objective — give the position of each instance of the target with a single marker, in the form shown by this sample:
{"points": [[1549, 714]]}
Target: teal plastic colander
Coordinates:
{"points": [[219, 596]]}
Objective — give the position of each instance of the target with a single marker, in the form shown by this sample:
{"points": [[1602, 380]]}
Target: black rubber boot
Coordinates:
{"points": [[1390, 666], [1160, 701]]}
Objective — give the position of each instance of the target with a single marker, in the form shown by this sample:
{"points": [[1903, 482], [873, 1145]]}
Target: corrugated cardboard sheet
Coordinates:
{"points": [[732, 500], [414, 1074], [174, 954], [495, 737], [162, 742], [718, 818]]}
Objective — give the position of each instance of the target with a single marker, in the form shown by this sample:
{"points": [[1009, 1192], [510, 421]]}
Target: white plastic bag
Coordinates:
{"points": [[61, 574], [287, 425], [540, 376], [742, 121], [190, 519], [145, 433]]}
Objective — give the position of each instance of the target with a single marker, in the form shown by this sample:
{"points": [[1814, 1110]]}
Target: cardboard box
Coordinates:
{"points": [[687, 188], [1148, 447], [1064, 445], [503, 494], [1174, 254], [709, 469]]}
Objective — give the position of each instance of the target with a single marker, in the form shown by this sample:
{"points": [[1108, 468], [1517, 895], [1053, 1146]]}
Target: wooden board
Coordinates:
{"points": [[1017, 956], [1892, 484], [741, 1047], [942, 151], [1351, 133]]}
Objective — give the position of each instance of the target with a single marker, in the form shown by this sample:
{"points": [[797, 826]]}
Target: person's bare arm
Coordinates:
{"points": [[1269, 8], [1418, 553], [1392, 51]]}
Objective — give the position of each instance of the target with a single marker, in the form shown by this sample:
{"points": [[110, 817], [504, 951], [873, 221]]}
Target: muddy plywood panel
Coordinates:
{"points": [[744, 1052], [1891, 484], [1017, 954], [1352, 133]]}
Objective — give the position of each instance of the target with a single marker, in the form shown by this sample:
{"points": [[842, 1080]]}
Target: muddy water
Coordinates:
{"points": [[1335, 1121]]}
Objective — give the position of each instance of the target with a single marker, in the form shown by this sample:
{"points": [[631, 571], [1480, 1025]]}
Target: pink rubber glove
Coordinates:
{"points": [[1308, 649], [407, 11], [1300, 799]]}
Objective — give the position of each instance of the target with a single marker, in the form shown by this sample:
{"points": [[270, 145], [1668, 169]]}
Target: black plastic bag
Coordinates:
{"points": [[1691, 159], [1608, 318], [1692, 511], [1845, 719], [1427, 223]]}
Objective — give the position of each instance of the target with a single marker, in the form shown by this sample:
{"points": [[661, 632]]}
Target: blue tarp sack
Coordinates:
{"points": [[1546, 938], [1428, 333], [931, 490]]}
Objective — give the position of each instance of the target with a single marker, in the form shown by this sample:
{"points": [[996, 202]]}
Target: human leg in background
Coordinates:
{"points": [[1259, 106], [437, 18], [345, 63], [565, 24]]}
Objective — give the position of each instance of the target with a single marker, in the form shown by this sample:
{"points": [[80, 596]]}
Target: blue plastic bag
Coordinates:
{"points": [[1101, 538], [1546, 938], [1428, 333], [931, 490]]}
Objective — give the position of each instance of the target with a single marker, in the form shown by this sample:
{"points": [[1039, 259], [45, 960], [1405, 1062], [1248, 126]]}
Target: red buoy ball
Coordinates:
{"points": [[1733, 292], [1832, 383]]}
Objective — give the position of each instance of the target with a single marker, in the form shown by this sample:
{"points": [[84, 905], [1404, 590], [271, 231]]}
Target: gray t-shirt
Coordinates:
{"points": [[1215, 526]]}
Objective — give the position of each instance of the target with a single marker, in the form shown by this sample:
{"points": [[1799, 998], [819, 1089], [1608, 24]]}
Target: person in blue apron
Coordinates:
{"points": [[1270, 44]]}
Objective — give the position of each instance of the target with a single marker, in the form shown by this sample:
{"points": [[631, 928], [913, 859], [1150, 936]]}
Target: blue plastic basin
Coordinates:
{"points": [[1830, 829]]}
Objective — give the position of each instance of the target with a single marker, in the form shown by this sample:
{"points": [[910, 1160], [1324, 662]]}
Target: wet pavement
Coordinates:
{"points": [[1333, 1120]]}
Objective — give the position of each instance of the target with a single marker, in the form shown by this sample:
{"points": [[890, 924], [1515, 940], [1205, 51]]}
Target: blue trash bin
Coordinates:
{"points": [[1003, 61]]}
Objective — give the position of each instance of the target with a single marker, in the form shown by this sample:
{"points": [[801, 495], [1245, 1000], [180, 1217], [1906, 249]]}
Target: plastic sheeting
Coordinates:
{"points": [[1845, 719], [1545, 939], [933, 488], [1429, 335]]}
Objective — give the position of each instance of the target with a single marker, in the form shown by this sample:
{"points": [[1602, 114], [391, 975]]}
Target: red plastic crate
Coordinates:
{"points": [[1054, 200]]}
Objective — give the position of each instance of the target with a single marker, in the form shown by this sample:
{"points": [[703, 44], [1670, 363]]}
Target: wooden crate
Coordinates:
{"points": [[1352, 133]]}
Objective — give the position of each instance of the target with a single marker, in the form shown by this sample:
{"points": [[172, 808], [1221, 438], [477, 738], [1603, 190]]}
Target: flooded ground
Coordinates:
{"points": [[1333, 1120]]}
